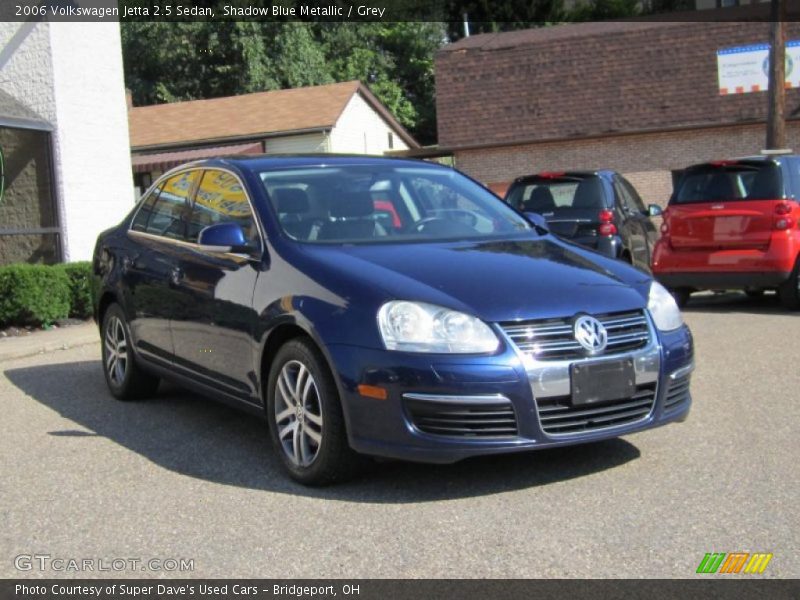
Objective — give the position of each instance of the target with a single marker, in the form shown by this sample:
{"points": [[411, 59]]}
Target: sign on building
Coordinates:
{"points": [[745, 69]]}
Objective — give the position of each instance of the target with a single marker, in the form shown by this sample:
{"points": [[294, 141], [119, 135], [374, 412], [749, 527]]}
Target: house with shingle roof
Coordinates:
{"points": [[639, 97], [340, 117]]}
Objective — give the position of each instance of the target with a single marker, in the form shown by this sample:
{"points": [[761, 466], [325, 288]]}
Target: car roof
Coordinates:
{"points": [[266, 162], [774, 158], [606, 173]]}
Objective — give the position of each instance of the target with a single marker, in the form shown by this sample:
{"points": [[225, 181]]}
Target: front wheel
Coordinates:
{"points": [[305, 417], [789, 290], [125, 378]]}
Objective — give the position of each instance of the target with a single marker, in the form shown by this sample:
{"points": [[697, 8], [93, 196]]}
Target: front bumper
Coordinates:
{"points": [[387, 427]]}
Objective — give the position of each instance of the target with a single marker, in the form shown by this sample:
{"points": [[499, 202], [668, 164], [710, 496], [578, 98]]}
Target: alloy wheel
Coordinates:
{"points": [[116, 351], [298, 413]]}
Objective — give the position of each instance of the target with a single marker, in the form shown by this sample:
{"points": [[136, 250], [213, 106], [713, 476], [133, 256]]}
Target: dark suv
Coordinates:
{"points": [[597, 209], [733, 224]]}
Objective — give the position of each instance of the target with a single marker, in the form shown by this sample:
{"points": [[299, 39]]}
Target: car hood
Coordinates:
{"points": [[501, 280]]}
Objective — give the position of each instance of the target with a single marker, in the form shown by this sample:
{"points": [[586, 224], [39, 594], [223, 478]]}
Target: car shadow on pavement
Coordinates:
{"points": [[736, 302], [200, 438]]}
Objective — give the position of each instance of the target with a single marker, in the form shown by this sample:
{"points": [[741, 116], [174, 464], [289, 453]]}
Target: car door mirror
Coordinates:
{"points": [[654, 210], [537, 220], [224, 237]]}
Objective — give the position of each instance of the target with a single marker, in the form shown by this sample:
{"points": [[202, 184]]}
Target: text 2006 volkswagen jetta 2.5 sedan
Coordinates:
{"points": [[382, 307]]}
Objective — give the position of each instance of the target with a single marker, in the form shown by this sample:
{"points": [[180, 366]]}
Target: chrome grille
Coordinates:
{"points": [[558, 416], [463, 420], [554, 339], [677, 393]]}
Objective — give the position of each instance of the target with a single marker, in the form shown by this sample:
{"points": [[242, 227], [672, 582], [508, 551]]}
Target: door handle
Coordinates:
{"points": [[175, 276]]}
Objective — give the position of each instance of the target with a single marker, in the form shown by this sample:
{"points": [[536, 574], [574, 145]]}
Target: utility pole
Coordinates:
{"points": [[776, 121]]}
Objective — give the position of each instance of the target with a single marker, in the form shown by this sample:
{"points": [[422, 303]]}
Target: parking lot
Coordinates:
{"points": [[179, 477]]}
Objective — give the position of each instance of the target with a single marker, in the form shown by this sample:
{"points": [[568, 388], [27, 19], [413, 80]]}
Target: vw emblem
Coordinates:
{"points": [[590, 333]]}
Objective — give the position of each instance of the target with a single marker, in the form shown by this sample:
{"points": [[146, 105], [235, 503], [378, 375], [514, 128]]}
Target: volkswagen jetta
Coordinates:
{"points": [[383, 307]]}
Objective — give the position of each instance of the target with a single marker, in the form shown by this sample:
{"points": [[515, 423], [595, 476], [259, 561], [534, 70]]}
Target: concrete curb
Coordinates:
{"points": [[41, 342]]}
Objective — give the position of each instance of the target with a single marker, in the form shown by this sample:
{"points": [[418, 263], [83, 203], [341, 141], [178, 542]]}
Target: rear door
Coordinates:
{"points": [[726, 204], [159, 228]]}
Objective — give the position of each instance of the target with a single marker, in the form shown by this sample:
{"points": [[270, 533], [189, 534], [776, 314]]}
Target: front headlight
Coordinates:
{"points": [[421, 327], [663, 308]]}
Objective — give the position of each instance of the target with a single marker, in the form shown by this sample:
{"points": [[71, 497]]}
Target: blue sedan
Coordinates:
{"points": [[381, 307]]}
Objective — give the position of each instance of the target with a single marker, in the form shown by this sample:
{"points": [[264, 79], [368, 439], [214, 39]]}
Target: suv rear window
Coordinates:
{"points": [[731, 181], [550, 194]]}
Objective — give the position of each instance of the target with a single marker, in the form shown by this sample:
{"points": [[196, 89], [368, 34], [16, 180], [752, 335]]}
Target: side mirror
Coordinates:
{"points": [[654, 210], [224, 237], [537, 220]]}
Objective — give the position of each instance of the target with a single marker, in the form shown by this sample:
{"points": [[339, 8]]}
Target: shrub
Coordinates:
{"points": [[80, 287], [33, 294]]}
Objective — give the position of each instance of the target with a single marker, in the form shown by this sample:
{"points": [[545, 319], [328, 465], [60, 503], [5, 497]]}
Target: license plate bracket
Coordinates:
{"points": [[602, 381]]}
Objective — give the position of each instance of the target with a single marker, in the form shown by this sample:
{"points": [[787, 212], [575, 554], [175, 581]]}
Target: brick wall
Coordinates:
{"points": [[647, 159], [592, 79]]}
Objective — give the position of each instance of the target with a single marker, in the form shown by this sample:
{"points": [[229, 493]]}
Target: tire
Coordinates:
{"points": [[681, 296], [306, 422], [125, 378], [789, 290], [755, 294]]}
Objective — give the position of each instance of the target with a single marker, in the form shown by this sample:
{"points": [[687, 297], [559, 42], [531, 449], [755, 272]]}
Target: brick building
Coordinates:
{"points": [[642, 98]]}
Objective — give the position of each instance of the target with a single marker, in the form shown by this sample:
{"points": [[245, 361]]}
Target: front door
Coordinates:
{"points": [[213, 338]]}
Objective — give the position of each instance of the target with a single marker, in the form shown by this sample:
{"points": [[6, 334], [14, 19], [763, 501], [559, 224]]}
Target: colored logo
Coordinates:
{"points": [[735, 562], [590, 333]]}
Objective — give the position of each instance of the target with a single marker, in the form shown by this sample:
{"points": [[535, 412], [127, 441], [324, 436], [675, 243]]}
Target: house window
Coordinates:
{"points": [[391, 140], [29, 224]]}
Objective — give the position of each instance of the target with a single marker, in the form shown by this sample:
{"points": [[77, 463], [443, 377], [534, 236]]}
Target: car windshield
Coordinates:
{"points": [[386, 203], [734, 181], [557, 194]]}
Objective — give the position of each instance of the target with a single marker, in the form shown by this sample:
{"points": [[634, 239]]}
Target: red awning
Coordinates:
{"points": [[162, 161]]}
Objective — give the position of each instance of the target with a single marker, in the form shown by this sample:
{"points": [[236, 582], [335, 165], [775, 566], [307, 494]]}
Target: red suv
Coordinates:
{"points": [[733, 224]]}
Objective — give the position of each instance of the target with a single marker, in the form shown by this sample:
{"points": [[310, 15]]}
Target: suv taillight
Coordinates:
{"points": [[606, 226]]}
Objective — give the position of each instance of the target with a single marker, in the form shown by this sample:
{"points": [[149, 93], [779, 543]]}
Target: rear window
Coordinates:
{"points": [[737, 181], [548, 195]]}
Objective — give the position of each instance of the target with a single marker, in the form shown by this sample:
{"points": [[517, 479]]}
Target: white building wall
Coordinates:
{"points": [[71, 75], [91, 144], [297, 144], [361, 130], [26, 72]]}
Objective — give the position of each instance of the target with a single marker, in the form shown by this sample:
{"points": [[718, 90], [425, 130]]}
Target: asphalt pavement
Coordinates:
{"points": [[181, 477]]}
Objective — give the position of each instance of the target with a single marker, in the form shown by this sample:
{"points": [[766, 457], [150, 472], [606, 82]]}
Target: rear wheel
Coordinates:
{"points": [[125, 378], [681, 296], [305, 417], [789, 290]]}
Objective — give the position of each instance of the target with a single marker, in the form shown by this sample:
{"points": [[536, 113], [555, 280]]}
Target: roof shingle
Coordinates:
{"points": [[245, 116]]}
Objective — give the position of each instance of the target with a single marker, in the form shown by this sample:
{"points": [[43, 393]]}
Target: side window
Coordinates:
{"points": [[221, 199], [145, 210], [630, 196], [168, 214]]}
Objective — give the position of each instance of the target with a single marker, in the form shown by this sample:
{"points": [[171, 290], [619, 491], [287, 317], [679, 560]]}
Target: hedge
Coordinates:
{"points": [[80, 288], [41, 294]]}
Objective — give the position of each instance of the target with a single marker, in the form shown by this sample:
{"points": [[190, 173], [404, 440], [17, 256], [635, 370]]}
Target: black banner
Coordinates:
{"points": [[727, 587], [336, 10]]}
